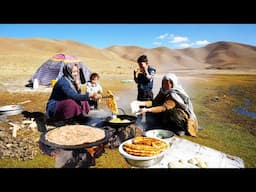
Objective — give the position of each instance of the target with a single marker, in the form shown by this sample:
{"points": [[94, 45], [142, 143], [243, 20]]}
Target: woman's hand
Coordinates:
{"points": [[144, 110], [95, 96]]}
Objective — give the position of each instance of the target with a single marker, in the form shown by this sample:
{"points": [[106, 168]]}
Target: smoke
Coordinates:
{"points": [[77, 158], [62, 156], [125, 97]]}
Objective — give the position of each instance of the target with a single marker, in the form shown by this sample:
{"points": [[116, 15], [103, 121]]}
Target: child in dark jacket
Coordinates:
{"points": [[144, 77]]}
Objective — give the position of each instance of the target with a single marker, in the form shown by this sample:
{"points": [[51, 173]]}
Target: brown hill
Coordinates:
{"points": [[22, 57], [199, 54], [231, 55], [162, 57], [225, 55], [219, 55], [127, 52]]}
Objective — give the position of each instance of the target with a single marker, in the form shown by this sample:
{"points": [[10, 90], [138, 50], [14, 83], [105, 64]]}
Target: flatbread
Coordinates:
{"points": [[145, 146], [148, 141], [111, 102], [70, 135]]}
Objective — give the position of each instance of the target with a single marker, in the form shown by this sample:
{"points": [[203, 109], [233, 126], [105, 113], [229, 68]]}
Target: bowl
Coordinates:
{"points": [[142, 161], [159, 133]]}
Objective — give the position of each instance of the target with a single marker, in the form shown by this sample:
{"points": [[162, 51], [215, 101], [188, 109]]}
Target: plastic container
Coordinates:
{"points": [[53, 82], [144, 118], [35, 84]]}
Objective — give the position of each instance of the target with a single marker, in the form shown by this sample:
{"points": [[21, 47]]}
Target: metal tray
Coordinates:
{"points": [[85, 145], [11, 110]]}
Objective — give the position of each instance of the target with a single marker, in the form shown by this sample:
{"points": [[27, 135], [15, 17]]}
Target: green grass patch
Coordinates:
{"points": [[40, 161], [223, 129]]}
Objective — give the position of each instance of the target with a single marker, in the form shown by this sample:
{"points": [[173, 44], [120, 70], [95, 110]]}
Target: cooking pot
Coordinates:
{"points": [[132, 119], [11, 109]]}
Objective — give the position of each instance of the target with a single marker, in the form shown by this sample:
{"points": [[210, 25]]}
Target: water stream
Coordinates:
{"points": [[243, 110]]}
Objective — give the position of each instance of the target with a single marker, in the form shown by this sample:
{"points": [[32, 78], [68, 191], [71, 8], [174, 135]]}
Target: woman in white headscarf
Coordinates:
{"points": [[172, 107]]}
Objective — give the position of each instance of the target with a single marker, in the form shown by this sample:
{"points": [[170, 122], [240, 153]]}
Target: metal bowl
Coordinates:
{"points": [[159, 133], [140, 161]]}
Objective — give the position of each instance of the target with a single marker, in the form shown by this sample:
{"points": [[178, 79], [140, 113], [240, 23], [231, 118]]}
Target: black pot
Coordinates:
{"points": [[131, 118]]}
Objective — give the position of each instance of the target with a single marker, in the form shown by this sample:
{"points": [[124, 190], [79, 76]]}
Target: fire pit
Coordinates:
{"points": [[73, 156], [44, 140]]}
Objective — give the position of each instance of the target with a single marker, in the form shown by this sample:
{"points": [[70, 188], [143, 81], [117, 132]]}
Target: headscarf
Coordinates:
{"points": [[178, 94], [67, 73]]}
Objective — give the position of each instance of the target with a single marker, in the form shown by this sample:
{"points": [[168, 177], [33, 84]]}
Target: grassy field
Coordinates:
{"points": [[214, 98], [223, 129]]}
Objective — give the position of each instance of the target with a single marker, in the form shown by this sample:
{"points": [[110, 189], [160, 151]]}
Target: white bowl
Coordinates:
{"points": [[140, 161], [159, 134]]}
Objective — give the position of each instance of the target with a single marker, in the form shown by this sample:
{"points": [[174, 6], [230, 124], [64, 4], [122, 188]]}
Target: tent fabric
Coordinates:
{"points": [[52, 69]]}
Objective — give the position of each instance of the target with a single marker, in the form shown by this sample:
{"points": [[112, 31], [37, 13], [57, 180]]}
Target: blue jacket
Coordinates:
{"points": [[143, 82], [62, 91]]}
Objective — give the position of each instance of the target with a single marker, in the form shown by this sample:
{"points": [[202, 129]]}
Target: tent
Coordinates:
{"points": [[52, 69]]}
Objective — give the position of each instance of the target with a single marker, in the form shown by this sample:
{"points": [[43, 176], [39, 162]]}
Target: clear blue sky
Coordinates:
{"points": [[143, 35]]}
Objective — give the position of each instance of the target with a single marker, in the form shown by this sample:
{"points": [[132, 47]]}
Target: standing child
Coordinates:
{"points": [[144, 77], [94, 87]]}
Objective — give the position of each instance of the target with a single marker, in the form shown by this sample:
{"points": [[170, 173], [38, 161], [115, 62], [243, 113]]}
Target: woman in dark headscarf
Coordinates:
{"points": [[172, 107], [66, 100]]}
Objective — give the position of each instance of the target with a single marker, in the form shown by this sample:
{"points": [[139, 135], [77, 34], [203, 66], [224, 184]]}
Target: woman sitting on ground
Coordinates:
{"points": [[172, 107], [66, 101]]}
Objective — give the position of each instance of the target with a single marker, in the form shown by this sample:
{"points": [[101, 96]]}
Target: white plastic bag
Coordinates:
{"points": [[134, 106]]}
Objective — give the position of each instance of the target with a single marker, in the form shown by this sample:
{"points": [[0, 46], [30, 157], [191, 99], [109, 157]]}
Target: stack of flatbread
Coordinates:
{"points": [[145, 146]]}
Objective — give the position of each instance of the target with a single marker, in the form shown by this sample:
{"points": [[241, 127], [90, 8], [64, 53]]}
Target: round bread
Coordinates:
{"points": [[74, 135], [145, 146]]}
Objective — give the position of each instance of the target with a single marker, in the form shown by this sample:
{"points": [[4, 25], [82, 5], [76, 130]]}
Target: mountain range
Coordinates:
{"points": [[218, 55]]}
